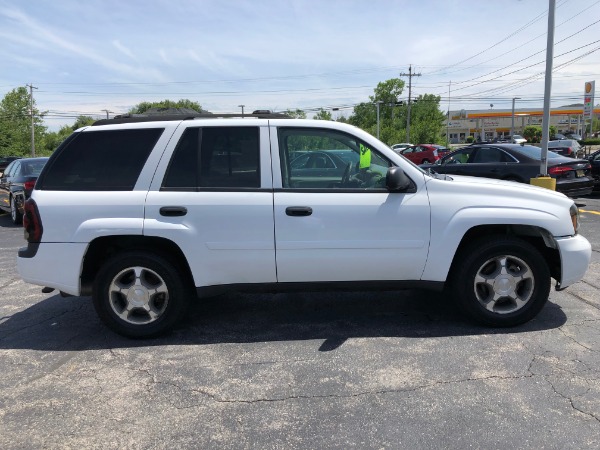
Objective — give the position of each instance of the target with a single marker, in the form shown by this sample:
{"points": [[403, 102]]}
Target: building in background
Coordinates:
{"points": [[496, 123]]}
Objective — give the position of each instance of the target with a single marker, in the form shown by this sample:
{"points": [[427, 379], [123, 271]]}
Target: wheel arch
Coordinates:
{"points": [[104, 247], [540, 238]]}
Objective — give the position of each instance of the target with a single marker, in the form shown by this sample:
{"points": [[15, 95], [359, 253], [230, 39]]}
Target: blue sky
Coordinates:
{"points": [[88, 56]]}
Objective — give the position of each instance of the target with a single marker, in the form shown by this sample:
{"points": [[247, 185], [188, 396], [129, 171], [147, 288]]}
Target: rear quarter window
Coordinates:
{"points": [[103, 160]]}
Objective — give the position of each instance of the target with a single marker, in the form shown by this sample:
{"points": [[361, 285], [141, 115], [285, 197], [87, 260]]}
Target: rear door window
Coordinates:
{"points": [[215, 158], [103, 160]]}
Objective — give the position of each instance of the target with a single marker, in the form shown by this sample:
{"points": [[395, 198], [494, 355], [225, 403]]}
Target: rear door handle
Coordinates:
{"points": [[298, 211], [173, 211]]}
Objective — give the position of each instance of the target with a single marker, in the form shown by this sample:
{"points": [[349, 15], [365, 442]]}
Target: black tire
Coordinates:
{"points": [[15, 214], [498, 299], [160, 298], [425, 161]]}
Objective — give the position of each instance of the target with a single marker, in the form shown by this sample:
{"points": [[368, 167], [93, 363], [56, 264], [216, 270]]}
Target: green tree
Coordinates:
{"points": [[297, 114], [532, 133], [323, 115], [426, 118], [141, 108], [15, 124], [54, 138]]}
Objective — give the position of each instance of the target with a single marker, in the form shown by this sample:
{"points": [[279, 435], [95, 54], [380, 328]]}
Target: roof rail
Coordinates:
{"points": [[133, 118]]}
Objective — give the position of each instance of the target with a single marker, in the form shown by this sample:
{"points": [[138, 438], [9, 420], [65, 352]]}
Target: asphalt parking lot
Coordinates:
{"points": [[303, 370]]}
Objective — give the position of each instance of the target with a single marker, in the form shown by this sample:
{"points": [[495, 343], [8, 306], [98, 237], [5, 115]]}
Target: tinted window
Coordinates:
{"points": [[100, 160], [534, 152], [490, 155], [220, 157]]}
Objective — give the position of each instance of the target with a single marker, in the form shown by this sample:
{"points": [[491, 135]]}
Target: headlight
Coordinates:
{"points": [[574, 211]]}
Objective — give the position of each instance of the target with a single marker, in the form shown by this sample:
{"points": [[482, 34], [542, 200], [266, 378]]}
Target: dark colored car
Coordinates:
{"points": [[517, 162], [565, 147], [421, 154], [594, 160], [5, 161], [574, 136], [16, 185], [322, 165]]}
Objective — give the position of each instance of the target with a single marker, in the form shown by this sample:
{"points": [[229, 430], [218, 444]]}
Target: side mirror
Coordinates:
{"points": [[396, 180]]}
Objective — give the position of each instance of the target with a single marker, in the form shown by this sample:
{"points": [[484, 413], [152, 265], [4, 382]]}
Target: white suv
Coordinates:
{"points": [[143, 215]]}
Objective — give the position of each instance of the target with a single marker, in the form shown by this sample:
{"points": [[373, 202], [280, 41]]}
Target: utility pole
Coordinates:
{"points": [[547, 89], [409, 75], [31, 88], [448, 116], [512, 122], [378, 103], [106, 111]]}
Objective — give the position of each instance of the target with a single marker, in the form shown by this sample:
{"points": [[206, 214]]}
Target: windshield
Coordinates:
{"points": [[535, 152]]}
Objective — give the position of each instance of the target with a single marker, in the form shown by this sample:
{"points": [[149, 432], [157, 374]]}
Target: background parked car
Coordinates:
{"points": [[399, 147], [594, 160], [517, 163], [442, 151], [16, 185], [421, 154], [565, 147], [518, 139], [574, 136], [5, 161]]}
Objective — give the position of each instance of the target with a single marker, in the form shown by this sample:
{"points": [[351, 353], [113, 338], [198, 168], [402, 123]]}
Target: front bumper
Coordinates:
{"points": [[575, 255]]}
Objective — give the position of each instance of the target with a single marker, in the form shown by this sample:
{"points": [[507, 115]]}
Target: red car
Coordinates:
{"points": [[424, 153]]}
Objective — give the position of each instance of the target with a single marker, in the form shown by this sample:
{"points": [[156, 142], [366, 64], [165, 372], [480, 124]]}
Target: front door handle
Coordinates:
{"points": [[173, 211], [298, 211]]}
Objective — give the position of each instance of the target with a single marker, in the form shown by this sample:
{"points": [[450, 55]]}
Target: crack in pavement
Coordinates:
{"points": [[566, 397], [216, 398], [578, 297], [564, 333]]}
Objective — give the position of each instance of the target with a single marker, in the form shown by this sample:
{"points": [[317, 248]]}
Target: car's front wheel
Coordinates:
{"points": [[140, 294], [15, 214], [501, 281]]}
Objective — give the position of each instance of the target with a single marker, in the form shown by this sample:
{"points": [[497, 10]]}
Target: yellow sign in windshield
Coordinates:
{"points": [[365, 157]]}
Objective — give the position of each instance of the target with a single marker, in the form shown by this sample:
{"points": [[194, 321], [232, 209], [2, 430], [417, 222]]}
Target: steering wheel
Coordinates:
{"points": [[346, 176]]}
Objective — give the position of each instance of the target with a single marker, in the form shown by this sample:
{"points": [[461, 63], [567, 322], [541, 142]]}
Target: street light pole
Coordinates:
{"points": [[242, 106], [547, 89], [512, 123]]}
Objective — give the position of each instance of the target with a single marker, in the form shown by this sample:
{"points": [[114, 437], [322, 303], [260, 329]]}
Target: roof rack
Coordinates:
{"points": [[133, 118]]}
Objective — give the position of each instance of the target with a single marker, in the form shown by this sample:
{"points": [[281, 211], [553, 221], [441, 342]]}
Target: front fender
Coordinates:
{"points": [[446, 240]]}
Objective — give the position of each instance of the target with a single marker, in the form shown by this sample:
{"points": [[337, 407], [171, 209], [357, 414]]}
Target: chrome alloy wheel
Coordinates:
{"points": [[504, 284], [138, 295]]}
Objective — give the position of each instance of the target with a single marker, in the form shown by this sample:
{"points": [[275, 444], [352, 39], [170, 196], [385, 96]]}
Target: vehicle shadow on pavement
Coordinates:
{"points": [[67, 324], [6, 222]]}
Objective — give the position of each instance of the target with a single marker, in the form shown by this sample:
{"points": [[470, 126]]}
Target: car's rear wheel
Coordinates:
{"points": [[140, 294], [425, 161], [15, 214], [500, 281]]}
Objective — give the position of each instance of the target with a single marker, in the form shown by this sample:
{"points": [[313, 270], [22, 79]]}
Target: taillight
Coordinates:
{"points": [[29, 185], [559, 170], [32, 222]]}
